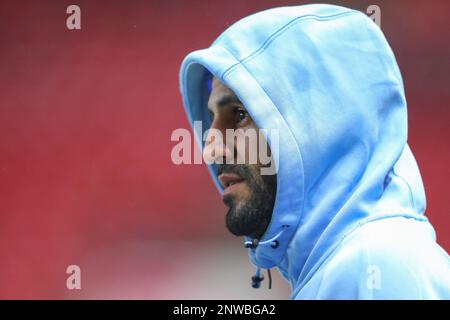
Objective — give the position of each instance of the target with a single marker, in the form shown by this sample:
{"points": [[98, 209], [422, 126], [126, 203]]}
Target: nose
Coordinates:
{"points": [[216, 149]]}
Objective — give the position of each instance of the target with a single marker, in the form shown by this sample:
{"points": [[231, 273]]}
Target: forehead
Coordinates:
{"points": [[218, 91], [219, 88]]}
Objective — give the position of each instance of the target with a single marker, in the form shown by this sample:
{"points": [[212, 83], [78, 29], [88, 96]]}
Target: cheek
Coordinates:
{"points": [[255, 180], [245, 193], [246, 145]]}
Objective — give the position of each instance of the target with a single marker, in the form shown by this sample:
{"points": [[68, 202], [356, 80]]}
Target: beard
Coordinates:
{"points": [[251, 217]]}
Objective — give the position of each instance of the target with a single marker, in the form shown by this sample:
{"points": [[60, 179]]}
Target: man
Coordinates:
{"points": [[248, 193], [343, 218]]}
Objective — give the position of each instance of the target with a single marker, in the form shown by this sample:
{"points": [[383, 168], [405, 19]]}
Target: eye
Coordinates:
{"points": [[211, 115], [241, 116]]}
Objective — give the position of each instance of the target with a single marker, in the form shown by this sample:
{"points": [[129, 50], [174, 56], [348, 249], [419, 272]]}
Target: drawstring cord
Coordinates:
{"points": [[258, 278], [270, 278], [252, 244]]}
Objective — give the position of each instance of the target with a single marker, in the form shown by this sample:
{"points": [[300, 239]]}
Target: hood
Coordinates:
{"points": [[325, 77]]}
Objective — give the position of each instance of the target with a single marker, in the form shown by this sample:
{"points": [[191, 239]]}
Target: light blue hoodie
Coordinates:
{"points": [[348, 221]]}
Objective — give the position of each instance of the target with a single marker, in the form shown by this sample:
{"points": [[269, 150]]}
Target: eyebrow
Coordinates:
{"points": [[228, 99]]}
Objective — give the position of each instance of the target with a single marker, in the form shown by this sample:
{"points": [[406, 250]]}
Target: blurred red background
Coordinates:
{"points": [[85, 123]]}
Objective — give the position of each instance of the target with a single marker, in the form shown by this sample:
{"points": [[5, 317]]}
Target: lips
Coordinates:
{"points": [[230, 181]]}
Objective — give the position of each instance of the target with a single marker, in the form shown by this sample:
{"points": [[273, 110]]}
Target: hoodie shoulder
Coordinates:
{"points": [[394, 258]]}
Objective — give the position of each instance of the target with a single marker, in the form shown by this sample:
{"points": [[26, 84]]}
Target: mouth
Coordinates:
{"points": [[230, 182]]}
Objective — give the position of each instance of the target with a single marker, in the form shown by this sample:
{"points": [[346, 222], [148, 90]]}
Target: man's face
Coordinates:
{"points": [[249, 195]]}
